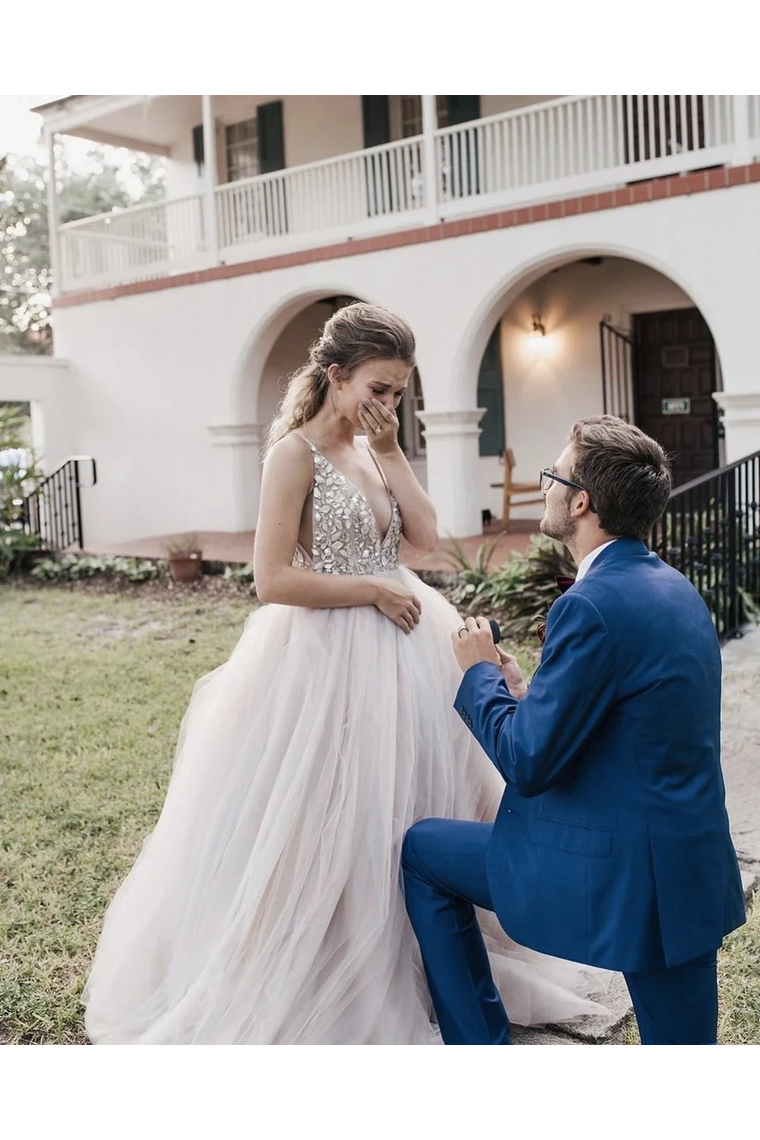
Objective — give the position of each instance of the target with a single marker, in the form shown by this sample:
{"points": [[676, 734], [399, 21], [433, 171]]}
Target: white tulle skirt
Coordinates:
{"points": [[265, 907]]}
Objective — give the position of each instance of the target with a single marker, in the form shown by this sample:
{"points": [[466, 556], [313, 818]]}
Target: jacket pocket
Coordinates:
{"points": [[574, 838]]}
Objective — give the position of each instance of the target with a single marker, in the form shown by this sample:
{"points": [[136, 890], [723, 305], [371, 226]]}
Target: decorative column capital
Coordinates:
{"points": [[237, 435], [739, 407], [451, 424]]}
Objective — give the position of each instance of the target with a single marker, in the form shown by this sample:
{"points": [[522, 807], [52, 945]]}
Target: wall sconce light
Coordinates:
{"points": [[537, 338]]}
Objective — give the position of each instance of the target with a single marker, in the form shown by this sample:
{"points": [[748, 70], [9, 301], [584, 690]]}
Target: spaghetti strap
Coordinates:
{"points": [[308, 443], [382, 473]]}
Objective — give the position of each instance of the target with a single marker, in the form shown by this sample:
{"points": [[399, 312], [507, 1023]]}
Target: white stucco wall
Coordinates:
{"points": [[498, 104], [48, 385], [156, 371]]}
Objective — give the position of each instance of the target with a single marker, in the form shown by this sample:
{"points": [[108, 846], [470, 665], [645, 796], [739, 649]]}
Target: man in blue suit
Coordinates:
{"points": [[611, 845]]}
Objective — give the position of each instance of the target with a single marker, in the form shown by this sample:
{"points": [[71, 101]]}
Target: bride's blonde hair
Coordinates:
{"points": [[353, 335]]}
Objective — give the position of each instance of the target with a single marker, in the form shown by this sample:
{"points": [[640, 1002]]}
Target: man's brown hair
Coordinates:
{"points": [[626, 473]]}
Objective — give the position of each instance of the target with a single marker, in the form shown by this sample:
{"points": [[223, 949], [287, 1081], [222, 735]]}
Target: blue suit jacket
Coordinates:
{"points": [[612, 844]]}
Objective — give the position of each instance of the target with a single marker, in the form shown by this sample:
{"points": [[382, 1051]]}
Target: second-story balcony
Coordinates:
{"points": [[537, 153]]}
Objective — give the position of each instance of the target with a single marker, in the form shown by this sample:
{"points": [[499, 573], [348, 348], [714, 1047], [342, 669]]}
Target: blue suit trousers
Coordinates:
{"points": [[444, 876]]}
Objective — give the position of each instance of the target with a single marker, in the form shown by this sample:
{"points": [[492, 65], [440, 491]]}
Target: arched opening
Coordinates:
{"points": [[594, 334], [290, 350], [275, 350]]}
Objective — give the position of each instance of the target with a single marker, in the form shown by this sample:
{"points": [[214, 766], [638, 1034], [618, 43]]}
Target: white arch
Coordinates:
{"points": [[508, 288], [246, 379]]}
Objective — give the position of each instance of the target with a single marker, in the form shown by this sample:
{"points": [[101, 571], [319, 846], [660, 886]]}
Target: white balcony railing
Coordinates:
{"points": [[580, 142], [333, 195], [132, 244], [546, 150]]}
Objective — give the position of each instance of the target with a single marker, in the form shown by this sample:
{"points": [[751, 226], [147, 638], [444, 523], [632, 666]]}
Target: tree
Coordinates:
{"points": [[25, 277]]}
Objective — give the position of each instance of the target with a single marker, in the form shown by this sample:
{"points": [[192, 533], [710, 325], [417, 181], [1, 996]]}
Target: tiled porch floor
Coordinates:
{"points": [[227, 546]]}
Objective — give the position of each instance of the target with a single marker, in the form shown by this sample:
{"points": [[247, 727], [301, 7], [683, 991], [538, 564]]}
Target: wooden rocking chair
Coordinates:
{"points": [[514, 492]]}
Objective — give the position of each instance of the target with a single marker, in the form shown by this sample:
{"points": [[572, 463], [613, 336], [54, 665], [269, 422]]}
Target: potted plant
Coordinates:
{"points": [[185, 558]]}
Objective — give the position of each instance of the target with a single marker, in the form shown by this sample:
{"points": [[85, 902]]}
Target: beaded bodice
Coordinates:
{"points": [[345, 535]]}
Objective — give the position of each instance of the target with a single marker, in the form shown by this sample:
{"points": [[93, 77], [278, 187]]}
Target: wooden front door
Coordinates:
{"points": [[675, 379]]}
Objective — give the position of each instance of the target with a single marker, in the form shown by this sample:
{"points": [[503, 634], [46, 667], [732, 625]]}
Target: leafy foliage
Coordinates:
{"points": [[18, 466], [241, 576], [519, 592], [18, 550], [699, 543], [25, 275], [183, 544], [74, 567]]}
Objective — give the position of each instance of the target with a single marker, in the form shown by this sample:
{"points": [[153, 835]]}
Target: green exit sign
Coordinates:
{"points": [[676, 406]]}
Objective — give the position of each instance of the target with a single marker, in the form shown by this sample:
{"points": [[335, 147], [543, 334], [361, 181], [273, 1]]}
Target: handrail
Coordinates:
{"points": [[710, 531], [53, 510]]}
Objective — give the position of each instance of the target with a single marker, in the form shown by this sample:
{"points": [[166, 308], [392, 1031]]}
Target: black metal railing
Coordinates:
{"points": [[617, 350], [54, 509], [711, 533]]}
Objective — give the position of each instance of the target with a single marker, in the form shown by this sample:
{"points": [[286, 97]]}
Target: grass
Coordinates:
{"points": [[92, 691]]}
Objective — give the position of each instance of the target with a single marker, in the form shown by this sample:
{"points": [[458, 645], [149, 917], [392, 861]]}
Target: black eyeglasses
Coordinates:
{"points": [[547, 477]]}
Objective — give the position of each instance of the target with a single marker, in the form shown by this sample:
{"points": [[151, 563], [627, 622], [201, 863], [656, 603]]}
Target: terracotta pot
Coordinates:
{"points": [[187, 566]]}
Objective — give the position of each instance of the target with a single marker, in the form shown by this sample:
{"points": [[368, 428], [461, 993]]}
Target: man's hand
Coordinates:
{"points": [[473, 643], [512, 674]]}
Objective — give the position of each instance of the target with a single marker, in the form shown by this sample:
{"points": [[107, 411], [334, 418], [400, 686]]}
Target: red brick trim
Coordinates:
{"points": [[674, 186]]}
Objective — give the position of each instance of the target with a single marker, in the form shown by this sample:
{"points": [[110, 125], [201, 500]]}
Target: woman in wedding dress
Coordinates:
{"points": [[265, 907]]}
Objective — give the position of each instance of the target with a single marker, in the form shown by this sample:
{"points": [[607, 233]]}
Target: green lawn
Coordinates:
{"points": [[92, 691]]}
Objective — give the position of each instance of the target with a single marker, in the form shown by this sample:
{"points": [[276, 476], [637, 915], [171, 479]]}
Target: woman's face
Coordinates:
{"points": [[377, 379]]}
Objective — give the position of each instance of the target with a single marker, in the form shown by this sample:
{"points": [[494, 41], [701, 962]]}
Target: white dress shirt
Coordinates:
{"points": [[585, 563]]}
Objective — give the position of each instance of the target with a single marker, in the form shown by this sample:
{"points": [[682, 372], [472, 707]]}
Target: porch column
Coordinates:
{"points": [[209, 194], [56, 267], [742, 153], [453, 481], [429, 164], [244, 446], [741, 420]]}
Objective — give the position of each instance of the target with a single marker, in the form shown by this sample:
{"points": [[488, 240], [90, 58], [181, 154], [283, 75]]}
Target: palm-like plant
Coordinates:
{"points": [[519, 592], [18, 467]]}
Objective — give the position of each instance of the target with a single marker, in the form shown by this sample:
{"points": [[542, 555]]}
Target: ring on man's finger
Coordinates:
{"points": [[462, 629]]}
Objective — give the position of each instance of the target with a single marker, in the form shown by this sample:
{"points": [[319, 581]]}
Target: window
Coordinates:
{"points": [[411, 114], [411, 431], [491, 397], [241, 150]]}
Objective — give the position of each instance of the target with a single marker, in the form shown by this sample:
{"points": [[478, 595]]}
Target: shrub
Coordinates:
{"points": [[75, 567], [519, 592], [241, 576], [18, 551]]}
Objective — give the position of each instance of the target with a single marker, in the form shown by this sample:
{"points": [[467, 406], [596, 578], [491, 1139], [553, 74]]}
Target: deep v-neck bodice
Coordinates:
{"points": [[345, 535]]}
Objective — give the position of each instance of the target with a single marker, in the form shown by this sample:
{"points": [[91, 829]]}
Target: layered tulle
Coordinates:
{"points": [[265, 907]]}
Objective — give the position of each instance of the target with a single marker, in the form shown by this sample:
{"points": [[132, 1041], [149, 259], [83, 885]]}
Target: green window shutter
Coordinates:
{"points": [[271, 137], [491, 397], [462, 108], [198, 150], [375, 120]]}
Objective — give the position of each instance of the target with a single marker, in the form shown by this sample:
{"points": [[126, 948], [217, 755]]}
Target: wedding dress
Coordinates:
{"points": [[265, 907]]}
